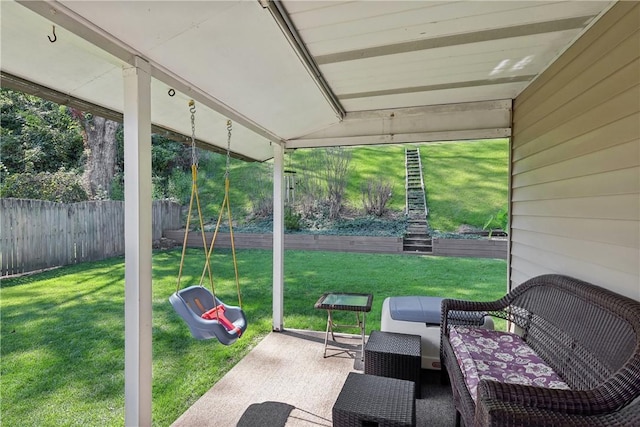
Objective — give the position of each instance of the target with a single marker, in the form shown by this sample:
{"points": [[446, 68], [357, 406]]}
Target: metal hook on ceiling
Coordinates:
{"points": [[52, 40]]}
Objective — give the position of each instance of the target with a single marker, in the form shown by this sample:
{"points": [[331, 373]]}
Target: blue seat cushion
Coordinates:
{"points": [[415, 309]]}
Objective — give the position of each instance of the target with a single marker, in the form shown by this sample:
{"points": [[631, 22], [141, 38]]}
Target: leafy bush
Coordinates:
{"points": [[61, 186], [37, 135], [292, 220], [500, 220], [179, 186]]}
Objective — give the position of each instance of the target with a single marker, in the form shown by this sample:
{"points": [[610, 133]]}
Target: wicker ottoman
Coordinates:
{"points": [[371, 400], [388, 354]]}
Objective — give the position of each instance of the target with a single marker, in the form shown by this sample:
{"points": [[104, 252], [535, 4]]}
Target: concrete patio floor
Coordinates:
{"points": [[286, 372], [286, 367]]}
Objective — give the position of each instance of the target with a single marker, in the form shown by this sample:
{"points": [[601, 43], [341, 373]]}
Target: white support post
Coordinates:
{"points": [[278, 237], [137, 231]]}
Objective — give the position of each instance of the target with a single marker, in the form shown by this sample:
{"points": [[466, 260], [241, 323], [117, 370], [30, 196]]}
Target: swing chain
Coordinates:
{"points": [[192, 109], [229, 126]]}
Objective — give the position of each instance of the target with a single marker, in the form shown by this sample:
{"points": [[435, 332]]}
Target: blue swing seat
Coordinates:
{"points": [[192, 302]]}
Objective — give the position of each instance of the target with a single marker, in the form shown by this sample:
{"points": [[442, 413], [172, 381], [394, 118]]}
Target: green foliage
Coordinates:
{"points": [[61, 187], [179, 186], [370, 226], [62, 353], [41, 136], [499, 220], [37, 135], [167, 158], [170, 161], [117, 187], [292, 220]]}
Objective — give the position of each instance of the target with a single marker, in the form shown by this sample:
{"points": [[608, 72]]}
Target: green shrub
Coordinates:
{"points": [[500, 221], [179, 186], [61, 187], [292, 220], [117, 186]]}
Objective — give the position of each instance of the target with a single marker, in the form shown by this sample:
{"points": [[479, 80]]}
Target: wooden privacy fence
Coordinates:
{"points": [[37, 234]]}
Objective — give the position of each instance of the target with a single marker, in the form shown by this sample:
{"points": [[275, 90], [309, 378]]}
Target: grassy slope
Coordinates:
{"points": [[373, 163], [466, 181], [63, 331]]}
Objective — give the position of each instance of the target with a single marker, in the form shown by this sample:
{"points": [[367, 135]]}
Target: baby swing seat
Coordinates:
{"points": [[191, 303]]}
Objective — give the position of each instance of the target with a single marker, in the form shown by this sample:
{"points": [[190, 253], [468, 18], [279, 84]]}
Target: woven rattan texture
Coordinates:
{"points": [[589, 335], [365, 398], [393, 355]]}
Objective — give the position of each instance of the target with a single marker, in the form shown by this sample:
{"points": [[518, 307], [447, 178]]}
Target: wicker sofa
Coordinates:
{"points": [[588, 336]]}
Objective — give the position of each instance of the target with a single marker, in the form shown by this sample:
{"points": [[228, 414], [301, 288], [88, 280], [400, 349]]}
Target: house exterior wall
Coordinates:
{"points": [[575, 161]]}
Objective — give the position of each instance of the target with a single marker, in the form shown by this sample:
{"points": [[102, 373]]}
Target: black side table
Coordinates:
{"points": [[394, 355], [367, 399]]}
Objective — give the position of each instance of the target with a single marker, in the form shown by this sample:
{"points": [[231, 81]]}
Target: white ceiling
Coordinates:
{"points": [[235, 60]]}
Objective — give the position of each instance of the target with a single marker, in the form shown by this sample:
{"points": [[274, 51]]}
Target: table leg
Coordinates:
{"points": [[333, 337], [362, 330], [326, 333]]}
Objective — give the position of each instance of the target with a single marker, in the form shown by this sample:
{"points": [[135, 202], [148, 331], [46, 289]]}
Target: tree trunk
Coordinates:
{"points": [[101, 149]]}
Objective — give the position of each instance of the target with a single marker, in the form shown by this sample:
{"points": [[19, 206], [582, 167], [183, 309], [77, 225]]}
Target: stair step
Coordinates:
{"points": [[417, 238], [417, 249], [416, 245], [417, 241]]}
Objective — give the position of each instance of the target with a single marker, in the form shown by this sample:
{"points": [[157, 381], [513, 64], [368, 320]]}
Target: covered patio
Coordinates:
{"points": [[286, 378], [561, 80]]}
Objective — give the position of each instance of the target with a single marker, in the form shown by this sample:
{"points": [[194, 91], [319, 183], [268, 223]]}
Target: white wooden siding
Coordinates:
{"points": [[575, 171]]}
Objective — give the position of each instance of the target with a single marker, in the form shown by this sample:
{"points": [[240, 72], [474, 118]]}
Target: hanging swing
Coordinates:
{"points": [[205, 314]]}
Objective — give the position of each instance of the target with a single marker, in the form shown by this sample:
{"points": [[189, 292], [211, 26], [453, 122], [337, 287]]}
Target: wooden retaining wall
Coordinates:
{"points": [[310, 242], [476, 248], [479, 248], [37, 234]]}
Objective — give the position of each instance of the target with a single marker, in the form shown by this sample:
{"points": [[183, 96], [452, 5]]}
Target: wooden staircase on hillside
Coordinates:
{"points": [[417, 238]]}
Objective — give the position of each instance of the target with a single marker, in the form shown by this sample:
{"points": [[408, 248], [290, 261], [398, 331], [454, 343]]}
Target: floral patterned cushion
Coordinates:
{"points": [[499, 356]]}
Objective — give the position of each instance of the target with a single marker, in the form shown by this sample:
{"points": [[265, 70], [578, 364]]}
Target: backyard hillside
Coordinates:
{"points": [[466, 183]]}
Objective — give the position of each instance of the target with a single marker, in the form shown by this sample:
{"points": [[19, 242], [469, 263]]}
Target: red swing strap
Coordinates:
{"points": [[217, 313]]}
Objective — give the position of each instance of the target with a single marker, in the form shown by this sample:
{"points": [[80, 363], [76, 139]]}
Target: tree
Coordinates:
{"points": [[49, 143], [336, 170], [37, 135], [100, 148]]}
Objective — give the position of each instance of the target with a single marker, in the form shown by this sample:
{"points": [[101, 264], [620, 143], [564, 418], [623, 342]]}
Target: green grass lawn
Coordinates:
{"points": [[62, 332]]}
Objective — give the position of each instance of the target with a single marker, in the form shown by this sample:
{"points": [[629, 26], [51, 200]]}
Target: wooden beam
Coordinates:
{"points": [[401, 138]]}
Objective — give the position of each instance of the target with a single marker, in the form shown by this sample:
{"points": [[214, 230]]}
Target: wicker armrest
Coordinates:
{"points": [[453, 309], [492, 394]]}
